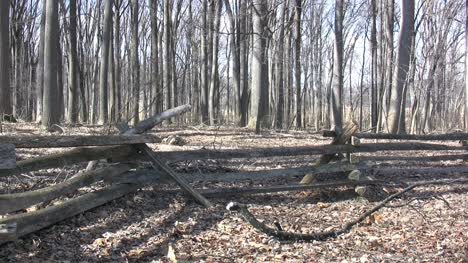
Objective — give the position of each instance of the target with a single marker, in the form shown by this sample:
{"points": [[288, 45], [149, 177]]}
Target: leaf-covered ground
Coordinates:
{"points": [[429, 224]]}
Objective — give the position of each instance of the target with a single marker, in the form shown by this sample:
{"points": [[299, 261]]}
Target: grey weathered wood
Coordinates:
{"points": [[18, 201], [160, 165], [433, 158], [151, 177], [71, 157], [204, 154], [149, 123], [7, 156], [126, 153], [343, 136], [8, 232], [157, 162], [425, 137], [42, 218], [76, 140]]}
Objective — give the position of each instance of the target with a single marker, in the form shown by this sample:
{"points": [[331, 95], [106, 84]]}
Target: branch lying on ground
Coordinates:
{"points": [[320, 236]]}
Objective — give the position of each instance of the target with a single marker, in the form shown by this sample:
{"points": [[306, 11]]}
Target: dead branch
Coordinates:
{"points": [[320, 236]]}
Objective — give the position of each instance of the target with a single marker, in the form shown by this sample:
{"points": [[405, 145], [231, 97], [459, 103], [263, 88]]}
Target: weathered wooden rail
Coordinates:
{"points": [[124, 150]]}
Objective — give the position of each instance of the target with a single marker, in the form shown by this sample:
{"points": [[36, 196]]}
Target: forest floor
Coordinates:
{"points": [[428, 224]]}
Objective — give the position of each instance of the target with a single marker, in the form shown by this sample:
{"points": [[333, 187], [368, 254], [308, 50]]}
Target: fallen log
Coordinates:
{"points": [[77, 155], [76, 140], [425, 137], [7, 156], [127, 152], [33, 221], [160, 165], [433, 158], [150, 177], [149, 123], [18, 201]]}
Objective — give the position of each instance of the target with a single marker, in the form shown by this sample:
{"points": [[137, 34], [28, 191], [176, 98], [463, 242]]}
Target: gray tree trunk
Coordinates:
{"points": [[204, 65], [337, 91], [297, 28], [466, 66], [157, 94], [279, 69], [398, 95], [135, 62], [5, 60], [50, 113], [373, 42], [258, 70], [214, 83], [104, 68], [167, 53], [40, 66], [73, 82]]}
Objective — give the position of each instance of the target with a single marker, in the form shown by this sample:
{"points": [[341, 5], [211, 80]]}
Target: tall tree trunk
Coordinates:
{"points": [[297, 33], [157, 94], [373, 42], [398, 95], [118, 68], [258, 69], [104, 68], [466, 66], [337, 106], [5, 61], [244, 62], [73, 82], [235, 56], [279, 69], [214, 83], [204, 65], [40, 65], [135, 62], [50, 113]]}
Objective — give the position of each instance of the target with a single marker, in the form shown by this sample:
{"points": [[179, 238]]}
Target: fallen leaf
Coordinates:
{"points": [[170, 254], [323, 205]]}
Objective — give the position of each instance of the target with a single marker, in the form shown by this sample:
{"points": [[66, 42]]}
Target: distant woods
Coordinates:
{"points": [[392, 66]]}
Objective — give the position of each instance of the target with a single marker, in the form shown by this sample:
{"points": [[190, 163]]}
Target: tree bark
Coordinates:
{"points": [[135, 62], [259, 89], [297, 70], [398, 95], [157, 93], [50, 114], [5, 60], [73, 82], [338, 68]]}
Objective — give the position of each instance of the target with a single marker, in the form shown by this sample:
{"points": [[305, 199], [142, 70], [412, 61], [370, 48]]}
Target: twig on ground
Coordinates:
{"points": [[320, 236]]}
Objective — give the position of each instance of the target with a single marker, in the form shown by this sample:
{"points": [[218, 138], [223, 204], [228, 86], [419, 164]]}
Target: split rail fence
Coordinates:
{"points": [[123, 151]]}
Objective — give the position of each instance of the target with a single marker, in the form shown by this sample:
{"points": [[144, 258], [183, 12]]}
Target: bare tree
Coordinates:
{"points": [[50, 113], [396, 116], [5, 90], [338, 68], [104, 69], [135, 62], [73, 76], [297, 68], [259, 88]]}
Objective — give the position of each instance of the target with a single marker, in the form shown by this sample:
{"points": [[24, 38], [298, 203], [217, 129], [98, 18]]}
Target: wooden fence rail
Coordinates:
{"points": [[130, 146], [76, 140]]}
